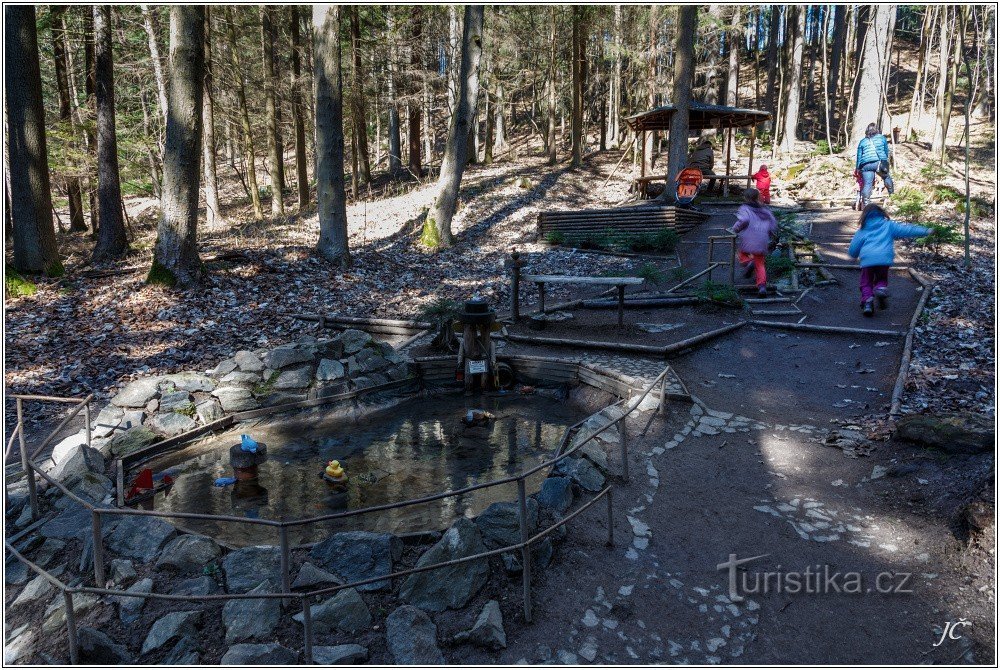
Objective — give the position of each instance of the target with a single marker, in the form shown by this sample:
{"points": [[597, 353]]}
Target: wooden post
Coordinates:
{"points": [[525, 550], [307, 626], [95, 522], [621, 306], [753, 142], [732, 262], [541, 297], [729, 156], [86, 420], [642, 162], [711, 257], [26, 462], [515, 286], [286, 583], [611, 521], [623, 433], [74, 646]]}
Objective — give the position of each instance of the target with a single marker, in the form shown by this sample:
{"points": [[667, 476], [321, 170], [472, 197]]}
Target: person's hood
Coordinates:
{"points": [[763, 168], [875, 221]]}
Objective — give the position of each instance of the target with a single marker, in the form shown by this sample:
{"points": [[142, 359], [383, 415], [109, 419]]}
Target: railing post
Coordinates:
{"points": [[74, 648], [86, 419], [663, 395], [286, 584], [623, 433], [525, 550], [611, 521], [95, 522], [26, 463], [515, 286], [307, 626]]}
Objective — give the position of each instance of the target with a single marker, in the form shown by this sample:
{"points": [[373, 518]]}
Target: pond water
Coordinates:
{"points": [[415, 449]]}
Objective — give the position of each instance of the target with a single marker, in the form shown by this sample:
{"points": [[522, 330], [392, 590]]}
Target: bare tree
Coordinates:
{"points": [[275, 145], [579, 40], [413, 137], [112, 240], [298, 110], [358, 112], [550, 136], [31, 200], [870, 100], [59, 50], [213, 211], [241, 99], [150, 21], [437, 226], [175, 256], [796, 28], [395, 160], [331, 198]]}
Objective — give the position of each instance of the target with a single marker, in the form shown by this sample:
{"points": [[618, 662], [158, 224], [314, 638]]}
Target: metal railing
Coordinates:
{"points": [[286, 594]]}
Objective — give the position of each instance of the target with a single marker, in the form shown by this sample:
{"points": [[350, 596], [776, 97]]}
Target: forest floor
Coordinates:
{"points": [[86, 333]]}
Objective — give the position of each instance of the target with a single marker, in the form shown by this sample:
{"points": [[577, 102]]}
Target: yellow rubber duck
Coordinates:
{"points": [[335, 471]]}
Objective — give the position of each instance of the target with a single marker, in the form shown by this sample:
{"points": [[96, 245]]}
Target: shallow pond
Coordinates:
{"points": [[412, 450]]}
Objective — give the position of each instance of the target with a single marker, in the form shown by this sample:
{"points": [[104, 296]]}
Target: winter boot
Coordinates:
{"points": [[868, 308], [882, 293]]}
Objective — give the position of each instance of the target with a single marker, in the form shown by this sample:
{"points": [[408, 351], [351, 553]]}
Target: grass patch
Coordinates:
{"points": [[555, 237], [719, 294], [160, 275], [933, 171], [823, 148], [265, 387], [651, 273], [16, 286], [909, 202], [778, 266]]}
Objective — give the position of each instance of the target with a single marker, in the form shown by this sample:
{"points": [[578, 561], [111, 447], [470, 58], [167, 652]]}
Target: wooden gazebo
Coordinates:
{"points": [[701, 116]]}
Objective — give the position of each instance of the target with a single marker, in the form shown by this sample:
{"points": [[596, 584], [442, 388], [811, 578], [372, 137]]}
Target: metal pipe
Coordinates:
{"points": [[522, 505], [74, 647], [286, 582], [95, 522], [26, 462]]}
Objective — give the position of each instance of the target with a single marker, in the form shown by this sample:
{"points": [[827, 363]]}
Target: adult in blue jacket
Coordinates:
{"points": [[873, 158], [873, 245]]}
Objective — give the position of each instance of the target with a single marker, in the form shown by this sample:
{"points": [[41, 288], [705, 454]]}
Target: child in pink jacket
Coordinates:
{"points": [[756, 227]]}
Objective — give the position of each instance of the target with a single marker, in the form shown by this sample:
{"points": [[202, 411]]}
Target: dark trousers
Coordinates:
{"points": [[868, 172]]}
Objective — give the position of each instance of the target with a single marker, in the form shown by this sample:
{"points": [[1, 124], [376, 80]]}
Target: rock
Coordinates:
{"points": [[139, 537], [172, 423], [368, 360], [197, 586], [134, 417], [19, 647], [488, 630], [329, 370], [953, 433], [412, 638], [190, 381], [398, 372], [209, 410], [282, 398], [345, 612], [189, 554], [310, 577], [39, 587], [92, 487], [130, 609], [285, 355], [342, 654], [332, 348], [235, 398], [223, 368], [185, 652], [501, 526], [96, 648], [452, 586], [78, 462], [240, 378], [247, 361], [176, 401], [353, 340], [67, 445], [138, 393], [556, 494], [247, 619], [131, 441], [357, 555], [170, 627], [978, 516], [72, 524], [247, 567], [107, 420], [582, 471], [541, 556], [152, 406], [259, 654], [595, 453], [55, 616], [15, 572], [294, 378], [122, 570]]}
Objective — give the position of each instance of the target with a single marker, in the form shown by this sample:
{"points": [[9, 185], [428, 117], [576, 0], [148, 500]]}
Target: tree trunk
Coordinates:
{"points": [[395, 155], [112, 241], [241, 100], [35, 248], [454, 29], [331, 200], [579, 38], [214, 218], [917, 99], [298, 112], [59, 50], [949, 92], [796, 27], [275, 145], [89, 88], [712, 78], [416, 64], [774, 24], [437, 226], [550, 137], [733, 38], [870, 100], [836, 54], [175, 256], [649, 136], [687, 24], [358, 100], [615, 80], [499, 131], [150, 21]]}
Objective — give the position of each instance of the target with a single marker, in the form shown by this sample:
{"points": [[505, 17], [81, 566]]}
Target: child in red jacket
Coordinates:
{"points": [[763, 179]]}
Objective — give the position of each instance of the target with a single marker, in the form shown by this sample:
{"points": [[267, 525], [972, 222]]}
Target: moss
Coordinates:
{"points": [[264, 388], [56, 269], [160, 275], [651, 273], [720, 294], [17, 286], [188, 410], [430, 237]]}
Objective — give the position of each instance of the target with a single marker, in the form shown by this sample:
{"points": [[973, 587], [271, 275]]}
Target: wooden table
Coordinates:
{"points": [[619, 282]]}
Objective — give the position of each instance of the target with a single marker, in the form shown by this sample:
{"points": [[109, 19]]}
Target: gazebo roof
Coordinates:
{"points": [[701, 116]]}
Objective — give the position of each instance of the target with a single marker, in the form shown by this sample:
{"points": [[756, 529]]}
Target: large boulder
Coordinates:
{"points": [[209, 410], [189, 381], [130, 609], [954, 433], [556, 494], [107, 420], [311, 578], [412, 637], [247, 361], [354, 340], [455, 585], [285, 355], [74, 523], [171, 627], [78, 462], [139, 537], [488, 630], [581, 471], [341, 654], [345, 612], [66, 446], [138, 393], [176, 401], [500, 523], [131, 441], [329, 370], [185, 652], [196, 586], [247, 567], [96, 648], [189, 554], [294, 378], [54, 618], [235, 398], [37, 588], [356, 555], [259, 654], [170, 424], [247, 619]]}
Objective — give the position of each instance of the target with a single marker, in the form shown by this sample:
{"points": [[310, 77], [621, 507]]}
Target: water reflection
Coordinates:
{"points": [[412, 450]]}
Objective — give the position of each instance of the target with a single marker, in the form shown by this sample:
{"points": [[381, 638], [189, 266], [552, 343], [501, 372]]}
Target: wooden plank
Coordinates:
{"points": [[597, 281]]}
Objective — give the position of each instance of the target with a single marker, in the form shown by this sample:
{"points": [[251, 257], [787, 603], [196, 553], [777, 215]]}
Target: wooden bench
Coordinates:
{"points": [[644, 182], [619, 282]]}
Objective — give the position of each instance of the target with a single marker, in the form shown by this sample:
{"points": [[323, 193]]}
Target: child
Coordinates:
{"points": [[873, 244], [755, 226], [763, 179]]}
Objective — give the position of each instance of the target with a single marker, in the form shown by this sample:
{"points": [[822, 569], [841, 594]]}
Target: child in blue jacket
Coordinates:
{"points": [[873, 245]]}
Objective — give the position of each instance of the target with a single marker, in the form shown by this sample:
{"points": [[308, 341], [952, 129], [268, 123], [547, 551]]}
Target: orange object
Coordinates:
{"points": [[763, 180], [688, 182]]}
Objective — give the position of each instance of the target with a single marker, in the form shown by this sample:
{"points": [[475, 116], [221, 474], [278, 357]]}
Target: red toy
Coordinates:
{"points": [[763, 179]]}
